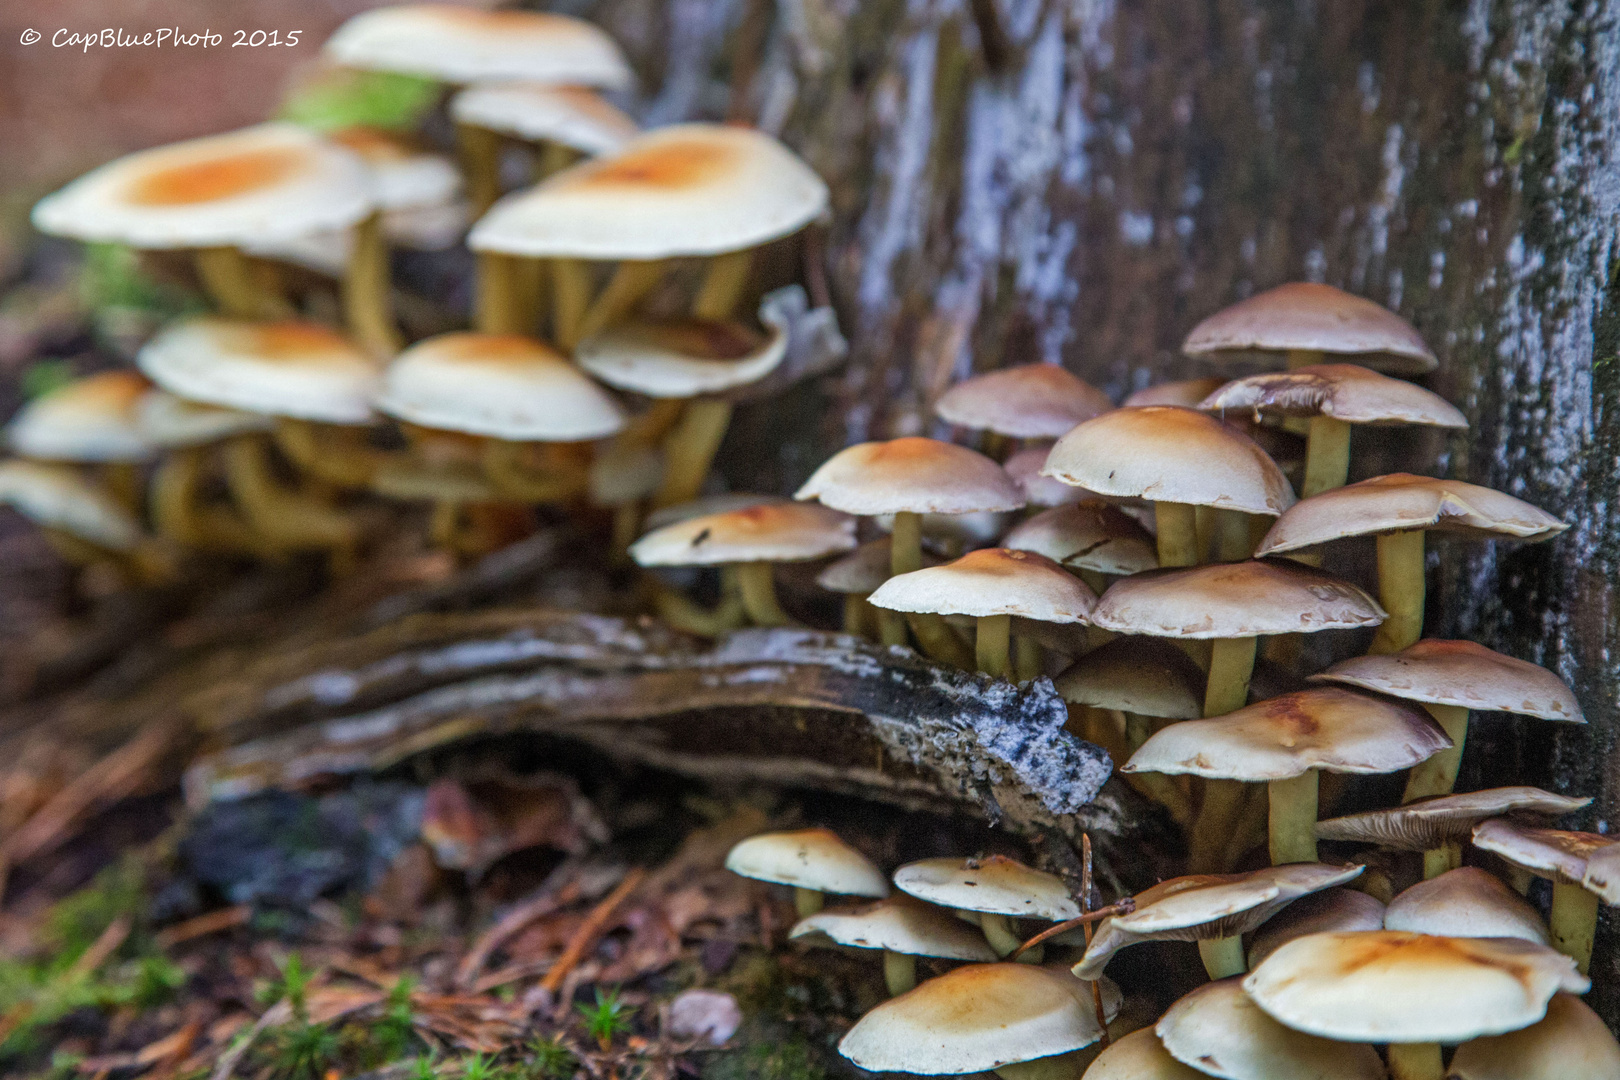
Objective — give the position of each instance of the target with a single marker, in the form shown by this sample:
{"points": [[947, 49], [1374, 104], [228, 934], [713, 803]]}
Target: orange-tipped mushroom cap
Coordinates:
{"points": [[681, 358], [93, 419], [1330, 910], [897, 924], [1314, 318], [770, 532], [914, 475], [1231, 600], [991, 581], [807, 859], [1219, 1029]]}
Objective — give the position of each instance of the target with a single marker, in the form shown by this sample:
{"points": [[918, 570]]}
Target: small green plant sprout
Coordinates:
{"points": [[391, 1036], [303, 1051], [607, 1018], [549, 1059], [291, 985], [425, 1066], [479, 1067]]}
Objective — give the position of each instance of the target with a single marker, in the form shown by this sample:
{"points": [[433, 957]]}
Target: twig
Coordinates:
{"points": [[201, 926], [591, 929], [1124, 907], [1085, 903], [561, 889], [279, 1013], [100, 949]]}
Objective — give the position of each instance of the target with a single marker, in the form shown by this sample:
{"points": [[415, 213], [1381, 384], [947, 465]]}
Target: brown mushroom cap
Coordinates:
{"points": [[92, 419], [1231, 600], [1316, 318], [1390, 986], [1558, 855], [1402, 502], [1031, 401], [1347, 392], [1428, 823], [1330, 910], [911, 475], [1220, 1030], [807, 859], [1464, 674], [898, 924], [991, 581], [1169, 454], [1466, 902], [1139, 1056], [995, 884], [1089, 535], [1571, 1043], [770, 532], [1140, 675], [1188, 393]]}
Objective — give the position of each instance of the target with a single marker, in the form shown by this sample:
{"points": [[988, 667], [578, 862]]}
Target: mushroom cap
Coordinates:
{"points": [[1139, 1056], [911, 475], [1571, 1043], [991, 581], [1326, 729], [1318, 318], [898, 924], [1025, 469], [457, 44], [265, 182], [769, 532], [1347, 392], [404, 178], [977, 1018], [1031, 401], [808, 859], [1428, 823], [1391, 986], [1330, 910], [1201, 907], [864, 569], [56, 497], [93, 419], [1220, 1030], [297, 369], [1466, 902], [502, 386], [681, 358], [1464, 674], [707, 504], [995, 884], [688, 189], [1602, 875], [1188, 393], [1169, 454], [1140, 675], [172, 422], [1090, 535], [1559, 855], [1231, 600], [1402, 502], [572, 116]]}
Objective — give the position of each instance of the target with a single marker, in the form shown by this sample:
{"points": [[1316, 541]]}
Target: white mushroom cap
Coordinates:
{"points": [[1031, 401], [1464, 674], [1089, 535], [992, 581], [864, 569], [1428, 823], [1025, 469], [977, 1018], [995, 884], [1220, 1030], [897, 924], [55, 497], [1466, 902], [458, 44], [911, 474], [769, 532], [708, 504], [1347, 392], [93, 419], [1558, 855], [1317, 318], [1140, 675], [404, 178], [1390, 986], [1188, 393], [260, 183], [1230, 600], [1330, 910], [502, 386], [172, 422], [1571, 1043], [1139, 1056], [689, 189], [681, 358], [573, 116], [295, 369], [808, 859], [1602, 875]]}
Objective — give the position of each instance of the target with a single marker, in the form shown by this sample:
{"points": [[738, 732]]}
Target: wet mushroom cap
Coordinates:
{"points": [[1187, 393], [1402, 502], [1338, 909], [808, 859], [897, 924], [862, 570], [294, 369], [1466, 902], [1428, 823], [1392, 986], [1025, 469], [911, 475], [572, 116], [1314, 318], [56, 497], [995, 884], [1347, 392], [977, 1018], [1139, 1056], [687, 189], [1031, 401], [1329, 729], [172, 422], [1464, 674], [1571, 1043], [772, 532], [681, 358], [266, 182], [1231, 600], [1089, 535], [502, 386], [1170, 454], [457, 44], [1218, 1029], [991, 581], [93, 419], [1558, 855], [1140, 675]]}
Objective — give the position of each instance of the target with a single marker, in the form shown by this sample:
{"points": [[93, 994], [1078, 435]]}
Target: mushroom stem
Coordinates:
{"points": [[632, 279], [854, 614], [1232, 542], [1293, 818], [1203, 529], [1438, 775], [1178, 533], [1573, 921], [1223, 956], [1400, 590], [553, 158], [808, 901], [899, 972], [505, 469], [993, 643], [759, 595], [498, 304], [1298, 358], [723, 284], [1028, 661], [1327, 456], [178, 517], [1440, 860], [480, 163], [445, 524], [626, 526], [939, 642], [999, 933], [690, 448], [337, 455], [123, 482], [285, 518], [1231, 664], [571, 299], [1160, 788], [228, 278], [905, 544], [1415, 1061], [367, 310], [675, 609]]}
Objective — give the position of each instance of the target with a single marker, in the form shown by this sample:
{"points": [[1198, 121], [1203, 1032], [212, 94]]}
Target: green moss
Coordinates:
{"points": [[347, 98], [791, 1059]]}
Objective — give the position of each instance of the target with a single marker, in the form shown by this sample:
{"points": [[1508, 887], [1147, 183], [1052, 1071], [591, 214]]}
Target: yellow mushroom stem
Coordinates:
{"points": [[690, 448], [1438, 775], [1415, 1061], [998, 931], [1573, 922], [758, 585], [1177, 534], [1222, 956], [228, 277], [1293, 818], [1203, 532], [940, 642], [1160, 788], [1440, 860], [123, 482], [553, 158], [367, 287], [444, 525], [808, 901], [1067, 1066], [905, 556], [995, 446], [177, 515], [1298, 358], [632, 280], [481, 165], [570, 300], [678, 611], [1327, 456], [1232, 543], [993, 644], [500, 301], [1253, 824], [1401, 588], [505, 468], [855, 606], [1231, 664], [1230, 667], [1028, 660], [286, 518], [723, 284], [899, 972], [340, 455]]}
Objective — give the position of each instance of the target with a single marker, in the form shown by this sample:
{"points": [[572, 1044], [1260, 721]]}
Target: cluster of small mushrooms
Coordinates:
{"points": [[1137, 554]]}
